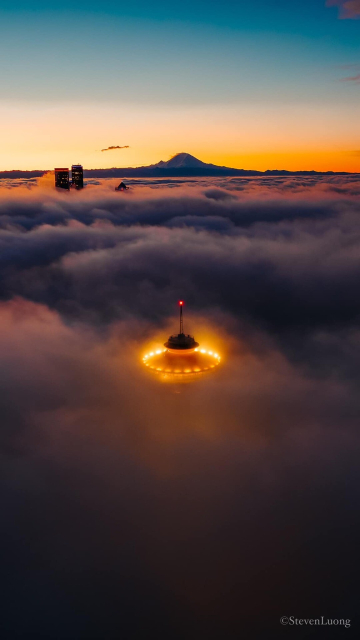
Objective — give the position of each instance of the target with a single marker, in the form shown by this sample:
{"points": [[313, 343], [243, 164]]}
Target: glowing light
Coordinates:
{"points": [[159, 360], [181, 302]]}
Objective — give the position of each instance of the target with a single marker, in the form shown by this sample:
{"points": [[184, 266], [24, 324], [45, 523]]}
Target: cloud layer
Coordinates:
{"points": [[207, 510]]}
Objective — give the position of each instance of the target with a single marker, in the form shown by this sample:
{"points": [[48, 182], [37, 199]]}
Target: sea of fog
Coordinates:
{"points": [[133, 508]]}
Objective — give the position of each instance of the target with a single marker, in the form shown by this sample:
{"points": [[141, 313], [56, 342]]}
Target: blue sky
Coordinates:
{"points": [[193, 52], [309, 17]]}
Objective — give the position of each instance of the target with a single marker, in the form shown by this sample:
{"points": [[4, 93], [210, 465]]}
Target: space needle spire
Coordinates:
{"points": [[181, 342], [181, 304]]}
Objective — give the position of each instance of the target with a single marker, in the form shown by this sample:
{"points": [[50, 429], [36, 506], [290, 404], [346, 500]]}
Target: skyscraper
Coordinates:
{"points": [[62, 178], [77, 176]]}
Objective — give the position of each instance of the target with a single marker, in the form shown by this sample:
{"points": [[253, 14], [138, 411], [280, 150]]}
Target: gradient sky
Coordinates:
{"points": [[271, 84]]}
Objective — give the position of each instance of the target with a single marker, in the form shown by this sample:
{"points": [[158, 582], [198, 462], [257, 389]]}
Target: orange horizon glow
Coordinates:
{"points": [[291, 137], [320, 161]]}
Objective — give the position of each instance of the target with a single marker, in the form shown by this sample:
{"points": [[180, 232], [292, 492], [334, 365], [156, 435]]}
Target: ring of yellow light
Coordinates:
{"points": [[147, 360]]}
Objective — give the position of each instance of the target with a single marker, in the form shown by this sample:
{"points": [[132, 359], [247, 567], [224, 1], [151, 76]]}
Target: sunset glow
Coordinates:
{"points": [[40, 136]]}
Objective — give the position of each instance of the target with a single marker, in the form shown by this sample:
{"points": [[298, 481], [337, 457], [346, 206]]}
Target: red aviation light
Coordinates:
{"points": [[181, 302]]}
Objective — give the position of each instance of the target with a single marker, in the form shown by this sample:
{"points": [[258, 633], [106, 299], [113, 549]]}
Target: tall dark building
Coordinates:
{"points": [[77, 176], [62, 178]]}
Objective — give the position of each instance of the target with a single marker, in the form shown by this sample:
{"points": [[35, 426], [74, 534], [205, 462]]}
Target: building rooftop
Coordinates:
{"points": [[180, 342]]}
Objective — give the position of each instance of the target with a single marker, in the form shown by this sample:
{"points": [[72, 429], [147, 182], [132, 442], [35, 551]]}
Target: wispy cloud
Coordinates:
{"points": [[115, 147], [347, 8], [355, 79]]}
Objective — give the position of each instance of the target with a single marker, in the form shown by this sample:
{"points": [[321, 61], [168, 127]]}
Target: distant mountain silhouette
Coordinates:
{"points": [[185, 161], [181, 165], [18, 173], [184, 165]]}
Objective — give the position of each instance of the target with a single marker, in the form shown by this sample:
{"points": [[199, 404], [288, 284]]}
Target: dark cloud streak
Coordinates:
{"points": [[112, 148]]}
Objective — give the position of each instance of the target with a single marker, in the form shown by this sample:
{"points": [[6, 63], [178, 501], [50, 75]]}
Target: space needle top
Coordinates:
{"points": [[181, 342]]}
